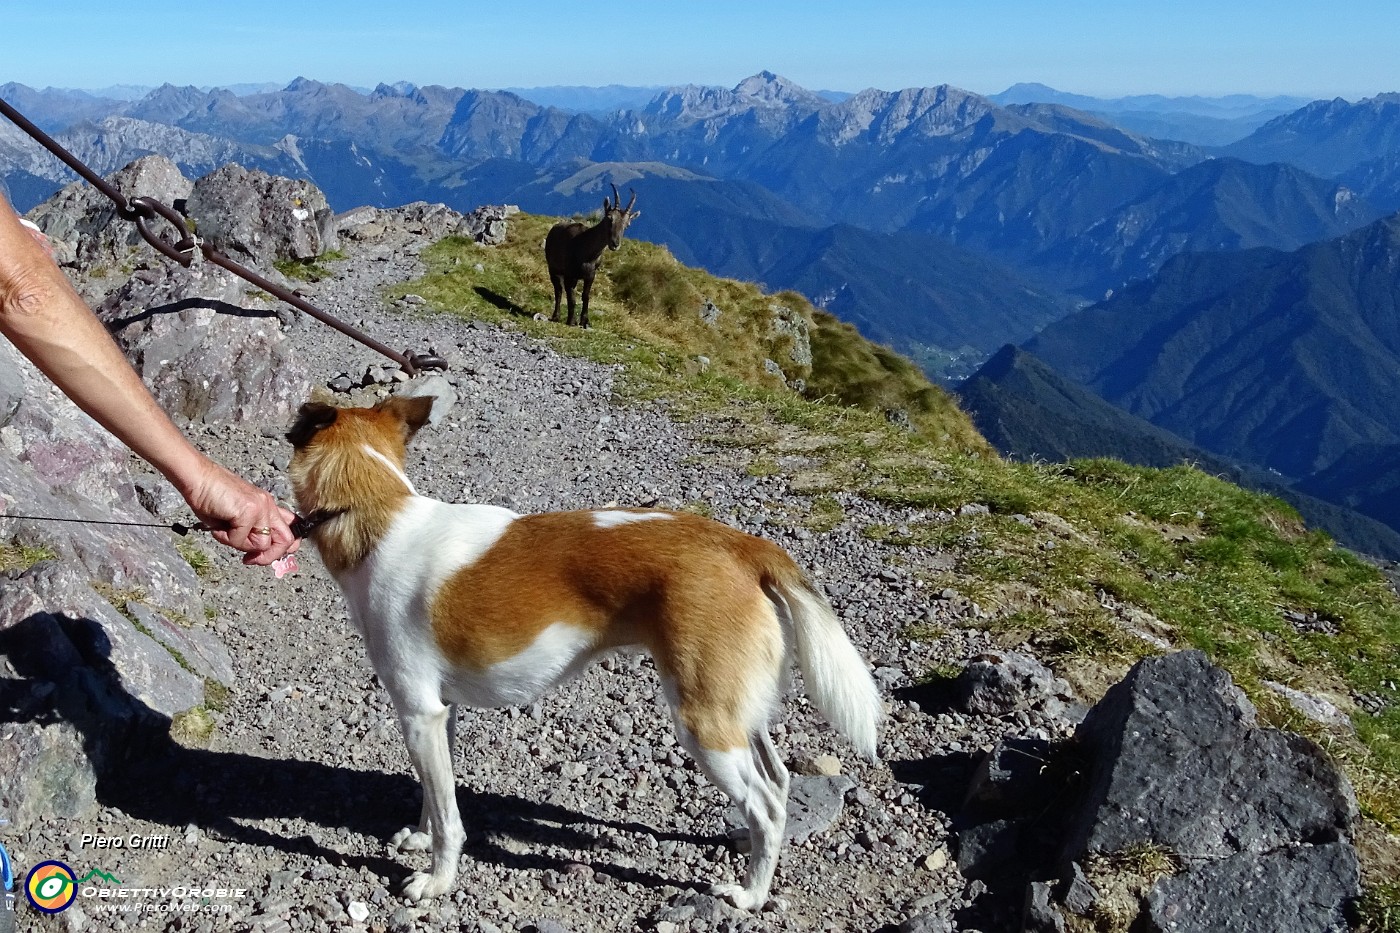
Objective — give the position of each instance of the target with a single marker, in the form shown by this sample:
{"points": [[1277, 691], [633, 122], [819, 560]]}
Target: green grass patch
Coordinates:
{"points": [[309, 270], [21, 557], [1379, 908], [195, 556]]}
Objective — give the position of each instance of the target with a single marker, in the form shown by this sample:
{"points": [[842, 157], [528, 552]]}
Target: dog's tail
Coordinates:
{"points": [[835, 674]]}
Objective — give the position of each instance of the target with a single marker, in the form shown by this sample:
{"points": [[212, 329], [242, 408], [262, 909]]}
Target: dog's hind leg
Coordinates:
{"points": [[756, 780], [419, 838], [425, 731]]}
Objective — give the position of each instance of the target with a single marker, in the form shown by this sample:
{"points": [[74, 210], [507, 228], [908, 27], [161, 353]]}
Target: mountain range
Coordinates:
{"points": [[1232, 269], [1037, 188]]}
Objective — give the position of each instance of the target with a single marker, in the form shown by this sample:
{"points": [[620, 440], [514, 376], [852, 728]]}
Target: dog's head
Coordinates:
{"points": [[327, 438], [393, 422], [349, 462]]}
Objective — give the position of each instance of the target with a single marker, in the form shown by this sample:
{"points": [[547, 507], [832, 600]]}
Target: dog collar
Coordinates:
{"points": [[302, 526]]}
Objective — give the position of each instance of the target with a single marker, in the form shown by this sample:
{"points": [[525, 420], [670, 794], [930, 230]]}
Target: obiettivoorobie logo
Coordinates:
{"points": [[51, 886]]}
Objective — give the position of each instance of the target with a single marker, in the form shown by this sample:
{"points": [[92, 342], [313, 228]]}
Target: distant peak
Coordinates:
{"points": [[771, 87]]}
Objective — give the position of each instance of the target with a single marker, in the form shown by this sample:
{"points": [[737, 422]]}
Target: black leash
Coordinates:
{"points": [[176, 527], [302, 526]]}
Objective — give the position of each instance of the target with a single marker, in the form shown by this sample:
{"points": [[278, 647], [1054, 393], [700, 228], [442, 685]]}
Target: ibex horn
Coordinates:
{"points": [[631, 202], [617, 198]]}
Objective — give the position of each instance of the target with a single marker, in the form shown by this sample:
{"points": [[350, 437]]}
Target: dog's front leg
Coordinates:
{"points": [[425, 732], [420, 837]]}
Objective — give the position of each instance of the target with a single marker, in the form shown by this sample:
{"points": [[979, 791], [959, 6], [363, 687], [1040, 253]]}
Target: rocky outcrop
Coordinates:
{"points": [[89, 238], [260, 218], [488, 225], [206, 350], [417, 219], [1171, 810], [103, 637], [79, 669]]}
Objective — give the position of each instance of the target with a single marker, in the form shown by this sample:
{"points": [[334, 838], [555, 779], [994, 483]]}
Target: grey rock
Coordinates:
{"points": [[251, 216], [1079, 896], [1011, 778], [1314, 707], [791, 329], [158, 496], [710, 312], [487, 225], [204, 356], [1302, 889], [1041, 915], [1178, 762], [926, 923], [82, 223], [814, 803], [1002, 682], [985, 849], [197, 649], [437, 388], [92, 680]]}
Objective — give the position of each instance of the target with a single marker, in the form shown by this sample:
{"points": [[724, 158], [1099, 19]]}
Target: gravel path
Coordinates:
{"points": [[581, 812]]}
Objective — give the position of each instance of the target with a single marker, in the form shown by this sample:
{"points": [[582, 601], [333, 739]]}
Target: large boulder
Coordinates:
{"points": [[1180, 762], [1259, 820], [256, 218], [1170, 810], [56, 461], [101, 626], [89, 238], [205, 354]]}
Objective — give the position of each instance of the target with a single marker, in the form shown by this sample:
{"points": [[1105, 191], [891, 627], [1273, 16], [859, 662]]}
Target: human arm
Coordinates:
{"points": [[42, 315]]}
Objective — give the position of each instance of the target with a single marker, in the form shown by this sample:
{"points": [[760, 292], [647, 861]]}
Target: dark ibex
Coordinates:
{"points": [[573, 251]]}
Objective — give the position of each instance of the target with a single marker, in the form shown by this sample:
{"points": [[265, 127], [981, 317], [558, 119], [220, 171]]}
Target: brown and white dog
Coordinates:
{"points": [[476, 604]]}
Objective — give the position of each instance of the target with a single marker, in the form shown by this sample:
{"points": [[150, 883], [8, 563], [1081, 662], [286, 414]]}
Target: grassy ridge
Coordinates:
{"points": [[1094, 563]]}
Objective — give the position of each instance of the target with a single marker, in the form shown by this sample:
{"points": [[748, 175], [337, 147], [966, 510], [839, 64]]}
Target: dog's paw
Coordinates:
{"points": [[411, 839], [738, 895], [422, 886]]}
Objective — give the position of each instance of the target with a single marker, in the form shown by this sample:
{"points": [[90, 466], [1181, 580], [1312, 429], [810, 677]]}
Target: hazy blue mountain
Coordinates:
{"points": [[1327, 137], [1202, 121], [1029, 412], [53, 109], [1378, 181], [1225, 106], [1216, 205], [597, 101], [1287, 360]]}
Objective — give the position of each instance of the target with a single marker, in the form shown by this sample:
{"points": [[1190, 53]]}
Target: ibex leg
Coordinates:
{"points": [[558, 282]]}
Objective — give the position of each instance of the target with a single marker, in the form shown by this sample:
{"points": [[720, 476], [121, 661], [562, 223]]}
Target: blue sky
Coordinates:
{"points": [[1099, 47]]}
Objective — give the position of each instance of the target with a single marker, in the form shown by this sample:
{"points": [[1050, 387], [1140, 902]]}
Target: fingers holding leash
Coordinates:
{"points": [[242, 516]]}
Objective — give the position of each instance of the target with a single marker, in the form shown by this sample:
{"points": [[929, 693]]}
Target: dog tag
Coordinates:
{"points": [[285, 565]]}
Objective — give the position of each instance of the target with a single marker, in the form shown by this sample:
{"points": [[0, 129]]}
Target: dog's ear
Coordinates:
{"points": [[311, 418], [411, 411]]}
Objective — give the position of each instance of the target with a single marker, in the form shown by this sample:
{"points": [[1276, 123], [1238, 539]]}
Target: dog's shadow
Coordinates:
{"points": [[142, 772]]}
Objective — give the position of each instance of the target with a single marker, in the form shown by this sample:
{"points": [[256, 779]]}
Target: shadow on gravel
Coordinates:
{"points": [[65, 675], [497, 300]]}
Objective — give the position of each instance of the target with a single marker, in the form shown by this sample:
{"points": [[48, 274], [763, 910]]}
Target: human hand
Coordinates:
{"points": [[241, 515]]}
